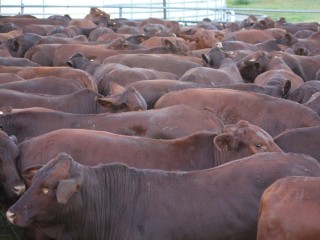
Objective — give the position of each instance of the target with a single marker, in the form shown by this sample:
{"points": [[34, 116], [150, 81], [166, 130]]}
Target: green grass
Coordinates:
{"points": [[282, 4]]}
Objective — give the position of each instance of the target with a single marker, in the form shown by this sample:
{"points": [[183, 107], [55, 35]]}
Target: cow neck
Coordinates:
{"points": [[91, 67], [104, 206], [220, 156], [7, 121], [126, 197], [201, 154]]}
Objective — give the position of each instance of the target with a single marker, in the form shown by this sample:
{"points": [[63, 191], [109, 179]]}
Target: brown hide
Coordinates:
{"points": [[65, 190], [162, 123], [274, 115], [46, 85], [279, 218], [192, 152], [162, 62], [35, 72], [300, 140]]}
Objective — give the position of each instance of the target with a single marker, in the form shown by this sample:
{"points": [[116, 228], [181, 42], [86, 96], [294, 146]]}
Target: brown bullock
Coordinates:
{"points": [[212, 149], [300, 140], [314, 103], [19, 62], [121, 74], [59, 54], [152, 90], [303, 93], [197, 151], [177, 65], [289, 209], [64, 72], [12, 184], [253, 36], [274, 115], [9, 78], [278, 73], [222, 72], [82, 101], [159, 123], [46, 85], [71, 201]]}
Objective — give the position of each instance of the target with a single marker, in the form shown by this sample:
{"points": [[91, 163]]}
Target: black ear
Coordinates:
{"points": [[262, 23], [286, 88], [205, 58], [15, 45], [256, 65], [70, 63]]}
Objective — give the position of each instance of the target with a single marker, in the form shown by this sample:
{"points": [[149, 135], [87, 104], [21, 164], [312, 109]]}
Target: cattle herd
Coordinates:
{"points": [[148, 129]]}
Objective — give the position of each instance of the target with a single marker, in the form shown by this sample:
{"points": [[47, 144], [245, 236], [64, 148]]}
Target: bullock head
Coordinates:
{"points": [[253, 65], [52, 187], [245, 139], [300, 50], [10, 179], [96, 14], [177, 47], [122, 99], [264, 24], [78, 61], [303, 93], [203, 38], [215, 57]]}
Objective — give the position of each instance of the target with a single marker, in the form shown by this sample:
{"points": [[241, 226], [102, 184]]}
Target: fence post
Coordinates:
{"points": [[120, 12], [22, 9], [164, 9]]}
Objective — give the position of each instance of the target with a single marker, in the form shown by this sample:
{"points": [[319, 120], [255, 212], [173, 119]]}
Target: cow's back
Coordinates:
{"points": [[290, 209], [300, 140], [272, 114]]}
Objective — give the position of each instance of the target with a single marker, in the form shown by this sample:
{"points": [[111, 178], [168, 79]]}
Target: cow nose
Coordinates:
{"points": [[19, 189], [10, 216]]}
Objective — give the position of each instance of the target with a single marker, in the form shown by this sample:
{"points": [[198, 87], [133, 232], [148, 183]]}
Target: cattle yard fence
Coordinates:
{"points": [[177, 11]]}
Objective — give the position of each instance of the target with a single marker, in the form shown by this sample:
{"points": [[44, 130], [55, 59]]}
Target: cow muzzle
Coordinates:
{"points": [[11, 216], [19, 189]]}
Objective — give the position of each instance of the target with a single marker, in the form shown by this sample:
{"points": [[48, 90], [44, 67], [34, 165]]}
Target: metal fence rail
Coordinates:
{"points": [[131, 11], [159, 9]]}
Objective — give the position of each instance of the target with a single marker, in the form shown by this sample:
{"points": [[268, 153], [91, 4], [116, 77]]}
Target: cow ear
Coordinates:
{"points": [[14, 139], [167, 43], [282, 47], [5, 110], [15, 44], [125, 46], [225, 140], [108, 102], [262, 23], [205, 58], [289, 38], [70, 63], [219, 36], [286, 88], [256, 65], [29, 173], [229, 128], [115, 88], [66, 189]]}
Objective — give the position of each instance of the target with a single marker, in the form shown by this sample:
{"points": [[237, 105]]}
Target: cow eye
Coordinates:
{"points": [[45, 190], [258, 146]]}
